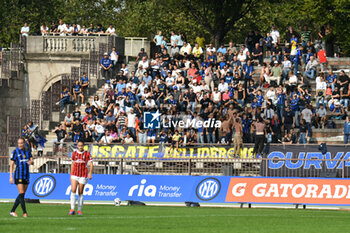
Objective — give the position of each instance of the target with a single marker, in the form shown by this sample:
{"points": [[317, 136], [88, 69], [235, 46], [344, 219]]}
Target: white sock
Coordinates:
{"points": [[80, 202], [72, 200]]}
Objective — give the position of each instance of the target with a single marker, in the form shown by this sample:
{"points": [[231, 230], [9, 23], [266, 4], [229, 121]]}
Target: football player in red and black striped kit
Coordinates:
{"points": [[79, 176]]}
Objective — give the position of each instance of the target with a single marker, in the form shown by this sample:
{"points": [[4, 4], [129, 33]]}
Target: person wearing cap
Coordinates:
{"points": [[106, 65], [275, 74], [139, 57], [338, 111]]}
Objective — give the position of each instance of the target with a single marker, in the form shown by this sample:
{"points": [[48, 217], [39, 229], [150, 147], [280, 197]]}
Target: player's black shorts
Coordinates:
{"points": [[21, 181]]}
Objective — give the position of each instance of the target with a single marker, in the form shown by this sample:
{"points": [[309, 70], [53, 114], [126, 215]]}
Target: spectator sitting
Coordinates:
{"points": [[338, 112], [275, 74], [310, 69]]}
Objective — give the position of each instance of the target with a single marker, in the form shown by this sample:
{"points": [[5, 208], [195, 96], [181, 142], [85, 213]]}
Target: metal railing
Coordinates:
{"points": [[211, 167]]}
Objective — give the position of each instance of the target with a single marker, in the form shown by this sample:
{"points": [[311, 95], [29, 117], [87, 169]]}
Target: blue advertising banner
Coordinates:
{"points": [[152, 188], [157, 188]]}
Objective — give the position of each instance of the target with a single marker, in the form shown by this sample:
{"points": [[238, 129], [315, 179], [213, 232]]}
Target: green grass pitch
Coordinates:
{"points": [[46, 218]]}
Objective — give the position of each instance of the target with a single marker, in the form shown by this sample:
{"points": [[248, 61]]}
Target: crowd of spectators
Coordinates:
{"points": [[69, 29], [257, 100]]}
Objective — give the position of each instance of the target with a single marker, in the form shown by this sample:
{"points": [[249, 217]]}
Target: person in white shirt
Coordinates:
{"points": [[96, 102], [84, 30], [131, 85], [62, 28], [186, 49], [216, 97], [287, 66], [128, 139], [70, 29], [310, 69], [321, 87], [271, 95], [245, 50], [196, 88], [150, 103], [170, 81], [173, 39], [223, 86], [144, 63], [125, 70], [44, 30], [275, 35], [25, 30], [106, 139], [211, 48], [292, 82], [111, 30], [241, 57]]}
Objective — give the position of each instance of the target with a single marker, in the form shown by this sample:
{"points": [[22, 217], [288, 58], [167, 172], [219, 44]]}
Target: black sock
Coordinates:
{"points": [[23, 204], [16, 204]]}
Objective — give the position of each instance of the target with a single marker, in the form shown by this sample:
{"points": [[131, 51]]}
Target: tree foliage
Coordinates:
{"points": [[219, 20]]}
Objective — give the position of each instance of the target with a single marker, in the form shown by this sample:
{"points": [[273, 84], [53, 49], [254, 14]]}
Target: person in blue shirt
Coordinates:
{"points": [[22, 158], [147, 78], [294, 106], [106, 65], [84, 82], [211, 58], [296, 59], [222, 49], [65, 98], [120, 85], [78, 92], [248, 71], [246, 124], [228, 78], [331, 79], [158, 41], [163, 138], [132, 97], [346, 130], [260, 99], [268, 44]]}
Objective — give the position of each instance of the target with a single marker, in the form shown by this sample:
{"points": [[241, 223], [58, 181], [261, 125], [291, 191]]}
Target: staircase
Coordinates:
{"points": [[50, 136]]}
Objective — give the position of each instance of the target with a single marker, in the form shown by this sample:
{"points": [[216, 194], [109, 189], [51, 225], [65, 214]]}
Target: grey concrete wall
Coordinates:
{"points": [[12, 98]]}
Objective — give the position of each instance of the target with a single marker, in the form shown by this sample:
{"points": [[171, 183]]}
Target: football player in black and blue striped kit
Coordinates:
{"points": [[22, 158]]}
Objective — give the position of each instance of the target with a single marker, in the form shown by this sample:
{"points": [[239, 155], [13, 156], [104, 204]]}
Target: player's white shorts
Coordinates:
{"points": [[81, 180], [151, 137]]}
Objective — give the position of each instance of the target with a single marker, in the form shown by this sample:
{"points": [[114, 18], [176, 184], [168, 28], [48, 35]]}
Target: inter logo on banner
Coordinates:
{"points": [[152, 120]]}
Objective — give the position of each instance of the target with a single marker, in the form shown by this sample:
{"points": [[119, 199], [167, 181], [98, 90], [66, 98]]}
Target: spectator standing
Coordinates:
{"points": [[347, 130], [53, 28], [259, 137], [62, 28], [61, 135], [111, 31], [158, 41], [25, 29], [44, 30], [237, 140], [65, 98], [275, 35], [106, 65], [321, 54]]}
